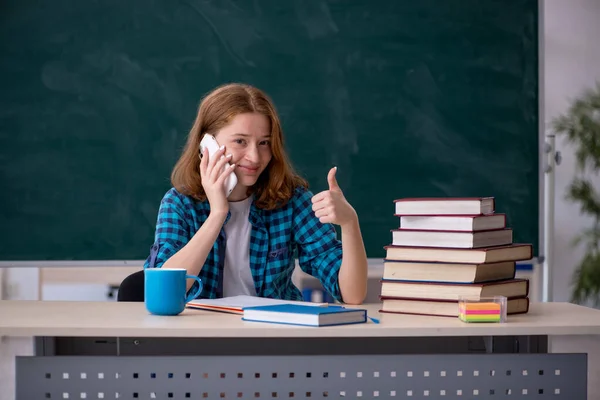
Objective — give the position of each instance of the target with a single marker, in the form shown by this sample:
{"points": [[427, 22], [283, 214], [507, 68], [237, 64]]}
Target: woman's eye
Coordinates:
{"points": [[265, 143], [239, 141]]}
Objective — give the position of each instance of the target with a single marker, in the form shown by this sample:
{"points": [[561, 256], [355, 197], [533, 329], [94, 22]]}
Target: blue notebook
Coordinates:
{"points": [[296, 314]]}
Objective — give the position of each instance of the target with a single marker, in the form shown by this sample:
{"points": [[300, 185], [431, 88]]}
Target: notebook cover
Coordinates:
{"points": [[236, 304], [301, 309], [308, 325]]}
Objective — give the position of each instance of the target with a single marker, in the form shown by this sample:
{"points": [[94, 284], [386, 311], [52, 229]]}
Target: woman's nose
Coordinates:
{"points": [[252, 154]]}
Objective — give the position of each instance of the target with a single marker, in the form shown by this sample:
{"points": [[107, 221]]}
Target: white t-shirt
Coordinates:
{"points": [[237, 278]]}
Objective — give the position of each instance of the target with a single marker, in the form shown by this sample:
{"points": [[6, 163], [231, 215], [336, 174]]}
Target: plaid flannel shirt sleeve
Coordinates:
{"points": [[319, 250], [171, 231]]}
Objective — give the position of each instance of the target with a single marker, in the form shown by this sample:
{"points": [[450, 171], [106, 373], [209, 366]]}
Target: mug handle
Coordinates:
{"points": [[192, 296]]}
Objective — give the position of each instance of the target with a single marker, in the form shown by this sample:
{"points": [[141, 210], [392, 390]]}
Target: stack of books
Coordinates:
{"points": [[445, 248]]}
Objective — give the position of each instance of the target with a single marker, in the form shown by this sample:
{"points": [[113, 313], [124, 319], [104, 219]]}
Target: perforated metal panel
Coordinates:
{"points": [[485, 376]]}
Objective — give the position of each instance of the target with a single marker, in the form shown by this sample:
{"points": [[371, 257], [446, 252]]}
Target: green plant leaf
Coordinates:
{"points": [[589, 236], [581, 191], [586, 279], [580, 124]]}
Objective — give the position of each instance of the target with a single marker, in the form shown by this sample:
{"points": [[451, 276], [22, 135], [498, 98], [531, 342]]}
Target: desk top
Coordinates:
{"points": [[70, 318]]}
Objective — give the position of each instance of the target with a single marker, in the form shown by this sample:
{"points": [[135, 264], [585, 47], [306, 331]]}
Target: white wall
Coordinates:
{"points": [[571, 64]]}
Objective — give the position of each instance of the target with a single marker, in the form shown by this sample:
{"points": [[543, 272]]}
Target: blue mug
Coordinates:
{"points": [[165, 290]]}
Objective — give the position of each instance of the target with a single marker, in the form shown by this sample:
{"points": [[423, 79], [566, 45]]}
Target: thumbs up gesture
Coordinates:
{"points": [[330, 206]]}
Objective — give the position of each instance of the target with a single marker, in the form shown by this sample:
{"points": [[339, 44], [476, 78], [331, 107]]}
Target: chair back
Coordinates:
{"points": [[132, 287]]}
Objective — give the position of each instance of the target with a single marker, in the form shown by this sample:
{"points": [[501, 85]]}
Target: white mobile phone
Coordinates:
{"points": [[209, 142]]}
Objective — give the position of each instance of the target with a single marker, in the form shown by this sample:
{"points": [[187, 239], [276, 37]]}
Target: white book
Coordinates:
{"points": [[445, 206], [236, 304], [452, 239], [469, 223]]}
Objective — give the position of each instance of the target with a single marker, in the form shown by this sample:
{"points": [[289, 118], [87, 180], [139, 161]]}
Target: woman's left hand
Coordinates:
{"points": [[330, 206]]}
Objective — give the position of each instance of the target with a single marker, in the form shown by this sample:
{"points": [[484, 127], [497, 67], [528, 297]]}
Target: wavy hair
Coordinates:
{"points": [[276, 184]]}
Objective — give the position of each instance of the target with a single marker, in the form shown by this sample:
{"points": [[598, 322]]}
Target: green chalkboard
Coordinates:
{"points": [[407, 98]]}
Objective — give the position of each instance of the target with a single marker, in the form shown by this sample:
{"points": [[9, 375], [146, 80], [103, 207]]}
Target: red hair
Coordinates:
{"points": [[276, 185]]}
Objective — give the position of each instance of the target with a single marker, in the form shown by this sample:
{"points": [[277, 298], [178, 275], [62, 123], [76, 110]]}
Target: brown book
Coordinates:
{"points": [[447, 272], [444, 206], [512, 252], [452, 291], [519, 305], [468, 223], [454, 239]]}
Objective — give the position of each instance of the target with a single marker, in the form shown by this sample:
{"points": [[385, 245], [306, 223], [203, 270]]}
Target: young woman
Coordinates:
{"points": [[246, 243]]}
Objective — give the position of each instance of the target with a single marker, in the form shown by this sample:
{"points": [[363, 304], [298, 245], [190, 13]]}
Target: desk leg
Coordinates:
{"points": [[589, 344], [10, 348]]}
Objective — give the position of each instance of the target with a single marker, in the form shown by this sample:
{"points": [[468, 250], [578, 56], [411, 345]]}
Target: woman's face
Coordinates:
{"points": [[248, 139]]}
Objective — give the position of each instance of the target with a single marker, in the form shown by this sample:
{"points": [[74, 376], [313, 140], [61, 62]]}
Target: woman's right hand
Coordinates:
{"points": [[213, 179]]}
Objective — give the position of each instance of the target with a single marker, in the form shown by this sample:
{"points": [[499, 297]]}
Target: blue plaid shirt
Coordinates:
{"points": [[276, 237]]}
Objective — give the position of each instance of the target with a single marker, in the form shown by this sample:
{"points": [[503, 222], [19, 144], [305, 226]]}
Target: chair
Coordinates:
{"points": [[132, 287]]}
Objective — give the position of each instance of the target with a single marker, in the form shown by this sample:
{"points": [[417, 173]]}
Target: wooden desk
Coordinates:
{"points": [[57, 318], [201, 354]]}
